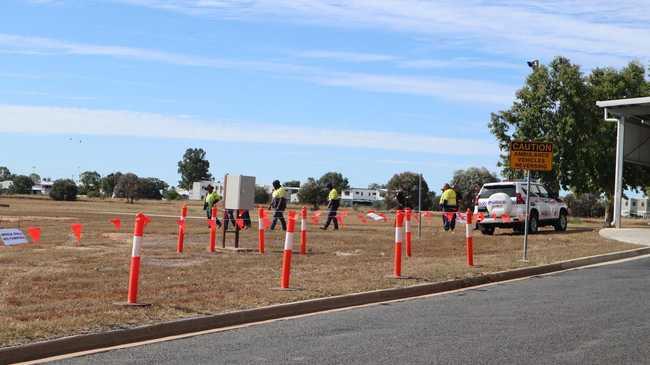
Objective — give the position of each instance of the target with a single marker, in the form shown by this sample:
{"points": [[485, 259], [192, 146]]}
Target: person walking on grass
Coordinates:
{"points": [[448, 204], [210, 201], [278, 205], [333, 202]]}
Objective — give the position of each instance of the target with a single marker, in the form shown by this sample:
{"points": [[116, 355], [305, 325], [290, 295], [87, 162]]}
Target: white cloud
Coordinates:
{"points": [[354, 57], [590, 32], [447, 89], [63, 120]]}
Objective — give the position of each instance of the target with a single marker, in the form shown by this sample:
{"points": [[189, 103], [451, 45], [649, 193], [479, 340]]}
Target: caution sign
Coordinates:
{"points": [[533, 156]]}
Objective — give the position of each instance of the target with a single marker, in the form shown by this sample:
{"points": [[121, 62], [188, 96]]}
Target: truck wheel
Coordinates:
{"points": [[486, 230], [561, 223]]}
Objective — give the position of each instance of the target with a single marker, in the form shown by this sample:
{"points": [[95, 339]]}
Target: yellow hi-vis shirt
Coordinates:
{"points": [[334, 195], [280, 193], [212, 198], [450, 196]]}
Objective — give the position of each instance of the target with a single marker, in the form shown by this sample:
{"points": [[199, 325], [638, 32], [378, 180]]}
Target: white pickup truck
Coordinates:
{"points": [[503, 205]]}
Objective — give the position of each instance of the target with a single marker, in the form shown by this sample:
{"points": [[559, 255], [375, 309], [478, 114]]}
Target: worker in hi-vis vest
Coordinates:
{"points": [[210, 201], [278, 205], [333, 202], [448, 204]]}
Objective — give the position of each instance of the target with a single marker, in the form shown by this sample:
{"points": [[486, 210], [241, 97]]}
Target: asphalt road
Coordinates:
{"points": [[590, 316]]}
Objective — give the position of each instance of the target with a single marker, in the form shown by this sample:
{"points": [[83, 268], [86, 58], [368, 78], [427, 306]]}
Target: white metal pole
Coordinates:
{"points": [[527, 216], [618, 182]]}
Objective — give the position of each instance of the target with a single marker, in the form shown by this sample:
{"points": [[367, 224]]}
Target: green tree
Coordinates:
{"points": [[467, 184], [407, 183], [605, 84], [36, 178], [193, 167], [311, 192], [261, 195], [339, 182], [292, 183], [128, 187], [64, 189], [150, 188], [558, 104], [21, 185], [5, 174], [90, 182], [109, 182]]}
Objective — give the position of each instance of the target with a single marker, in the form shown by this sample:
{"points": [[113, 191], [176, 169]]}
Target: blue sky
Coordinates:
{"points": [[283, 89]]}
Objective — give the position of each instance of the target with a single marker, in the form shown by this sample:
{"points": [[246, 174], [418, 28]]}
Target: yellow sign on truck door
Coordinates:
{"points": [[533, 156]]}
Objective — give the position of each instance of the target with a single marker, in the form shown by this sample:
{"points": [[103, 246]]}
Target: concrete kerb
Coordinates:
{"points": [[79, 343]]}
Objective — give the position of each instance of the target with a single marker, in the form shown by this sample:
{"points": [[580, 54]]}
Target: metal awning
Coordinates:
{"points": [[633, 139]]}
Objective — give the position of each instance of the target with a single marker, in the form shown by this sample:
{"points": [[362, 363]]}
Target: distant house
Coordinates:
{"points": [[6, 185], [361, 196], [44, 187], [199, 189], [635, 207]]}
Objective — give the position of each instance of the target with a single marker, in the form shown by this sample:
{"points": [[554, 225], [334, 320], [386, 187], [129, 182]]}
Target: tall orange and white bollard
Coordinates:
{"points": [[213, 229], [181, 230], [288, 248], [134, 275], [260, 225], [470, 239], [303, 231], [399, 225], [407, 231]]}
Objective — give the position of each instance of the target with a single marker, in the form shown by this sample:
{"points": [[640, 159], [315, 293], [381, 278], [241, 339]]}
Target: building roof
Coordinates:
{"points": [[636, 112]]}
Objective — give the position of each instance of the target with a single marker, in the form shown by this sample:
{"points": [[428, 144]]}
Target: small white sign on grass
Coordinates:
{"points": [[12, 236]]}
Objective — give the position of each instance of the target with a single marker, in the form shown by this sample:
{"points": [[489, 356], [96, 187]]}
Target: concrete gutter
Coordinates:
{"points": [[78, 343]]}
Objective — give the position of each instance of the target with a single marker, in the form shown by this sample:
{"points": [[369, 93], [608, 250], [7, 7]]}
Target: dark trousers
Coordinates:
{"points": [[449, 224], [279, 216], [228, 217], [209, 214], [331, 217]]}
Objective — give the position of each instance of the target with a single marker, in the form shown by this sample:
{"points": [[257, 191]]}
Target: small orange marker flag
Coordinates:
{"points": [[77, 229], [117, 223], [34, 233]]}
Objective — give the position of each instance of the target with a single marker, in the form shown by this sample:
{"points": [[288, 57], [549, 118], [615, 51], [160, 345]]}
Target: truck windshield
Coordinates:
{"points": [[487, 191]]}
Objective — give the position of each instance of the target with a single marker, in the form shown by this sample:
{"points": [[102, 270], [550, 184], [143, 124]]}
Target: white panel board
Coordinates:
{"points": [[240, 192], [637, 144]]}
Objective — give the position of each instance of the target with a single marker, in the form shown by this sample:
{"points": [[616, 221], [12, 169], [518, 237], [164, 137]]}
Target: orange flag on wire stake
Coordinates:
{"points": [[77, 229], [117, 222], [34, 233]]}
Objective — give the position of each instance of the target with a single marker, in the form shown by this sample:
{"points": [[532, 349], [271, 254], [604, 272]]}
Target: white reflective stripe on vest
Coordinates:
{"points": [[288, 241], [137, 246]]}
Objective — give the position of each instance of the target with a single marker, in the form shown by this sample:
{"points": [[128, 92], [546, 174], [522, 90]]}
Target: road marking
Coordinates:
{"points": [[231, 328]]}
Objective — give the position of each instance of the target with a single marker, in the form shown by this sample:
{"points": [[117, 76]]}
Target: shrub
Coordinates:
{"points": [[64, 189]]}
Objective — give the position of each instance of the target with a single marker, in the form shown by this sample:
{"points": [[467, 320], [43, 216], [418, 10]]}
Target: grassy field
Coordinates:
{"points": [[56, 288]]}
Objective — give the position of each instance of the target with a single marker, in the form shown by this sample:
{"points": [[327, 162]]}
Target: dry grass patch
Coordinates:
{"points": [[56, 288]]}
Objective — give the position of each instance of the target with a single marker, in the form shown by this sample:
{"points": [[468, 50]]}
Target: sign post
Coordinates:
{"points": [[530, 156]]}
